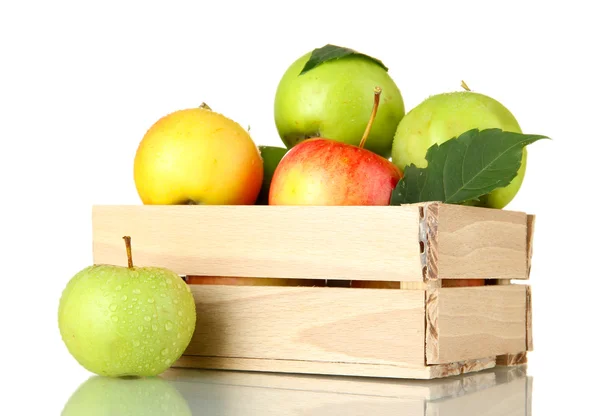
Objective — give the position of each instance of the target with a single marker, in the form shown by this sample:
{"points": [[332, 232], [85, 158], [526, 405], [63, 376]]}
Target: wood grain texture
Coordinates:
{"points": [[309, 324], [476, 242], [432, 346], [528, 319], [509, 360], [335, 368], [361, 243], [530, 233], [429, 237], [477, 322]]}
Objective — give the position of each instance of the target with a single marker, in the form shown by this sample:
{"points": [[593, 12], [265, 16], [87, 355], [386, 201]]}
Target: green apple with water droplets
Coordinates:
{"points": [[126, 321]]}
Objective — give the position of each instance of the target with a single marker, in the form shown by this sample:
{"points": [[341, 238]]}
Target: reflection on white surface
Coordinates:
{"points": [[496, 392], [127, 396]]}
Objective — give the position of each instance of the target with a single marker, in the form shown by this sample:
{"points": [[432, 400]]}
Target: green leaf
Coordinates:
{"points": [[464, 168], [332, 52]]}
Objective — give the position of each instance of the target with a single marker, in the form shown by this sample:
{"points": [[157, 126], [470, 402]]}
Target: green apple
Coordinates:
{"points": [[99, 396], [443, 116], [334, 100], [271, 156], [126, 321], [321, 171]]}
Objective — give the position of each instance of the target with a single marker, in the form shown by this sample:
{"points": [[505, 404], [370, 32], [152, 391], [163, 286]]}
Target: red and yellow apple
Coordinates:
{"points": [[322, 171]]}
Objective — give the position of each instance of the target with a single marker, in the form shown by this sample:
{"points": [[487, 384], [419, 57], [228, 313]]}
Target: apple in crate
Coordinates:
{"points": [[326, 93], [322, 171], [197, 156], [126, 321], [444, 116]]}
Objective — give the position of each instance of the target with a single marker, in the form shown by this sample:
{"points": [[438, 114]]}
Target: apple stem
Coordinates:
{"points": [[372, 118], [205, 106], [465, 86], [128, 248]]}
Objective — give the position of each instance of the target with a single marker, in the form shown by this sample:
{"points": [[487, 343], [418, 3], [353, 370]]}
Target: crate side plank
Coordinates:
{"points": [[349, 243], [470, 322], [475, 243], [435, 389], [310, 324], [401, 371]]}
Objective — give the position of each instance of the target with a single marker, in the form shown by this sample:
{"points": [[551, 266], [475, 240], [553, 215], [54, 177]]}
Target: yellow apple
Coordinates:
{"points": [[197, 156]]}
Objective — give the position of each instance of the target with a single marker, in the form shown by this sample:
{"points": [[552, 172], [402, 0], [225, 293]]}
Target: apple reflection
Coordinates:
{"points": [[149, 396]]}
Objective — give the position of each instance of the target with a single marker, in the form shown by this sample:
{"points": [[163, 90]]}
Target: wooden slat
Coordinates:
{"points": [[476, 243], [341, 325], [530, 234], [336, 368], [348, 243], [472, 322], [441, 388], [528, 319], [509, 360]]}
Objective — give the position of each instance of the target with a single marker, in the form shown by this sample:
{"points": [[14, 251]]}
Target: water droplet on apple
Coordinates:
{"points": [[165, 351], [150, 300], [162, 295], [136, 291], [168, 362], [136, 343], [147, 318], [168, 325], [130, 312], [175, 301], [124, 298], [141, 328], [154, 327], [118, 287], [179, 313], [153, 287], [113, 307], [114, 318]]}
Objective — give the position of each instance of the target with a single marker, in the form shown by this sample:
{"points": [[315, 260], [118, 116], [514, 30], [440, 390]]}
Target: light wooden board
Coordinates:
{"points": [[406, 243], [309, 324], [469, 322], [356, 243], [405, 371], [429, 390], [475, 242]]}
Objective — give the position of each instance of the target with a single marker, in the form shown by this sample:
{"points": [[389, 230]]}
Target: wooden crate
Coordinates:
{"points": [[424, 328]]}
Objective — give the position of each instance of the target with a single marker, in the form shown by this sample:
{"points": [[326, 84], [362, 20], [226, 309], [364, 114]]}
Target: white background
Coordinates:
{"points": [[80, 82]]}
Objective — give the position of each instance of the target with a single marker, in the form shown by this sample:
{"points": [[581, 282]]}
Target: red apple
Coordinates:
{"points": [[321, 171]]}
